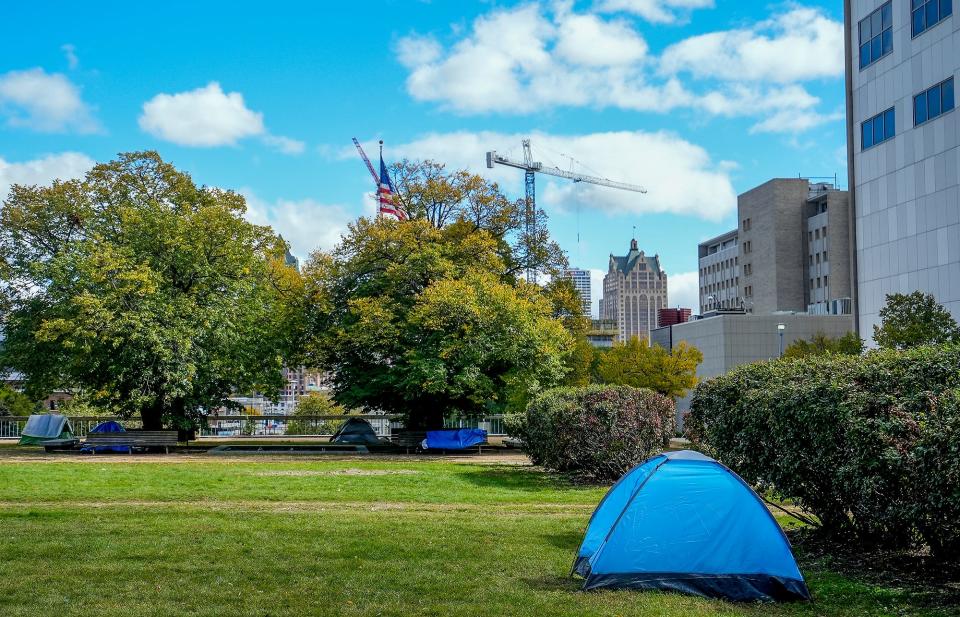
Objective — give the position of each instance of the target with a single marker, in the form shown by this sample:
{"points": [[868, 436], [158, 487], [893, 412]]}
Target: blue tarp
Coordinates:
{"points": [[457, 439], [107, 427], [684, 522]]}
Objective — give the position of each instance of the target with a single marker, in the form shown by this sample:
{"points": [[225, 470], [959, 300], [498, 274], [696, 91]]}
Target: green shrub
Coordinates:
{"points": [[595, 432], [936, 458], [858, 441]]}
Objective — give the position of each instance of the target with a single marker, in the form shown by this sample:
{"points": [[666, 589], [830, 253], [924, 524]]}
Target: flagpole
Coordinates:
{"points": [[380, 187]]}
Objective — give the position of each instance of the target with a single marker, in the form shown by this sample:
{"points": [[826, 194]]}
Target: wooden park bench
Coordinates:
{"points": [[408, 439], [134, 439]]}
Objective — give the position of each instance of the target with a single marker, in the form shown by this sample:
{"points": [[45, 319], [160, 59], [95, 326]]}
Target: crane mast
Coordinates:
{"points": [[531, 168]]}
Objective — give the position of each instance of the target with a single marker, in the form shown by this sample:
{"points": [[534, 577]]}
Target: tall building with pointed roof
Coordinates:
{"points": [[634, 291]]}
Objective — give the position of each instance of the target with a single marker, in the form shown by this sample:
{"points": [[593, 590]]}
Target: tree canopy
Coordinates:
{"points": [[429, 317], [911, 320], [637, 364], [147, 292], [820, 345]]}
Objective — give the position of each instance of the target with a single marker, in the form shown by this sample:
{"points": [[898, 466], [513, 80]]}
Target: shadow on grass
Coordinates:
{"points": [[513, 478], [549, 582], [569, 541]]}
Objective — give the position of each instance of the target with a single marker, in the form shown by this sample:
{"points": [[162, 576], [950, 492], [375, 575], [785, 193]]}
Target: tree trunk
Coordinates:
{"points": [[152, 416], [427, 415], [186, 431]]}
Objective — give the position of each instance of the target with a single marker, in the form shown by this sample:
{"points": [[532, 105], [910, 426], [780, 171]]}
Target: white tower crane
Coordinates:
{"points": [[531, 167]]}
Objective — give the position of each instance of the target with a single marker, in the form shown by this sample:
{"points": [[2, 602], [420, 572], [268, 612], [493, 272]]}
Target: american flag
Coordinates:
{"points": [[386, 194]]}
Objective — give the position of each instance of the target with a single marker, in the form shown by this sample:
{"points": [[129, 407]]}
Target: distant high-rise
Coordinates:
{"points": [[581, 282], [634, 290]]}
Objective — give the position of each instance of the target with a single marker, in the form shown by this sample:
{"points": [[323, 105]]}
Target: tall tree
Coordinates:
{"points": [[429, 192], [911, 320], [637, 364], [151, 294], [426, 321]]}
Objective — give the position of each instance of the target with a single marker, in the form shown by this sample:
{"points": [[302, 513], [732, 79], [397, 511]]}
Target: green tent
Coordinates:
{"points": [[49, 429]]}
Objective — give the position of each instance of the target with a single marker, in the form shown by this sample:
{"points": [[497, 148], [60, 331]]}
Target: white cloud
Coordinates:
{"points": [[799, 45], [285, 145], [680, 177], [306, 224], [588, 40], [203, 117], [528, 59], [47, 102], [656, 11], [43, 171], [70, 53], [795, 121], [683, 290]]}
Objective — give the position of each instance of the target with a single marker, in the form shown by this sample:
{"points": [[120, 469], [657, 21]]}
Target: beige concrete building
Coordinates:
{"points": [[790, 252], [634, 290], [720, 273]]}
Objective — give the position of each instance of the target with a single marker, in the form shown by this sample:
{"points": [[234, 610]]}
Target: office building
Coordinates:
{"points": [[728, 339], [790, 252], [634, 290], [902, 60], [673, 316], [720, 272], [581, 282]]}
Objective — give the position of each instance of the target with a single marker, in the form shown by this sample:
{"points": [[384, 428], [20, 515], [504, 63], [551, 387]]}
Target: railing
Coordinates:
{"points": [[291, 426], [265, 426]]}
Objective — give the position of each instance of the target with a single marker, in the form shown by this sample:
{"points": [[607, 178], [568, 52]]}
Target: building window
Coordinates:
{"points": [[878, 129], [928, 13], [876, 35], [936, 101]]}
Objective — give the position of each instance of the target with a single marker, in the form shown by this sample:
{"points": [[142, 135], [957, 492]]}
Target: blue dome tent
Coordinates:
{"points": [[109, 426], [683, 522]]}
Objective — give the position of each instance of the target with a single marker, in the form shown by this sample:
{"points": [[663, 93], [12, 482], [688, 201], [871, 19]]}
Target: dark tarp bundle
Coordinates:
{"points": [[355, 431], [456, 439], [47, 429], [683, 522], [107, 427]]}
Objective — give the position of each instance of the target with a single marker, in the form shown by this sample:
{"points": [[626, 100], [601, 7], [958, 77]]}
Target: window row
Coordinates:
{"points": [[820, 282], [928, 13], [876, 35], [934, 102], [820, 258], [820, 232], [878, 129], [876, 30]]}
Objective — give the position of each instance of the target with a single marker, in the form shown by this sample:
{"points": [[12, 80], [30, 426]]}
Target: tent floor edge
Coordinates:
{"points": [[731, 587]]}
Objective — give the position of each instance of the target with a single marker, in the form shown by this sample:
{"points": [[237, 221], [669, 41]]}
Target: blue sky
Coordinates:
{"points": [[697, 100]]}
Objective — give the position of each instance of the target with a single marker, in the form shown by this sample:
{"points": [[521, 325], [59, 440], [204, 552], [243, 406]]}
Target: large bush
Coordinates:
{"points": [[596, 432], [866, 443]]}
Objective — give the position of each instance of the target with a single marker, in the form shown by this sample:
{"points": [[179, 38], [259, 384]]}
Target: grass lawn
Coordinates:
{"points": [[204, 535]]}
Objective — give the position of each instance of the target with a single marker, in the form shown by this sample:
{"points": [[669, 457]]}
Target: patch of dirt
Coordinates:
{"points": [[931, 583], [278, 507], [352, 471]]}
